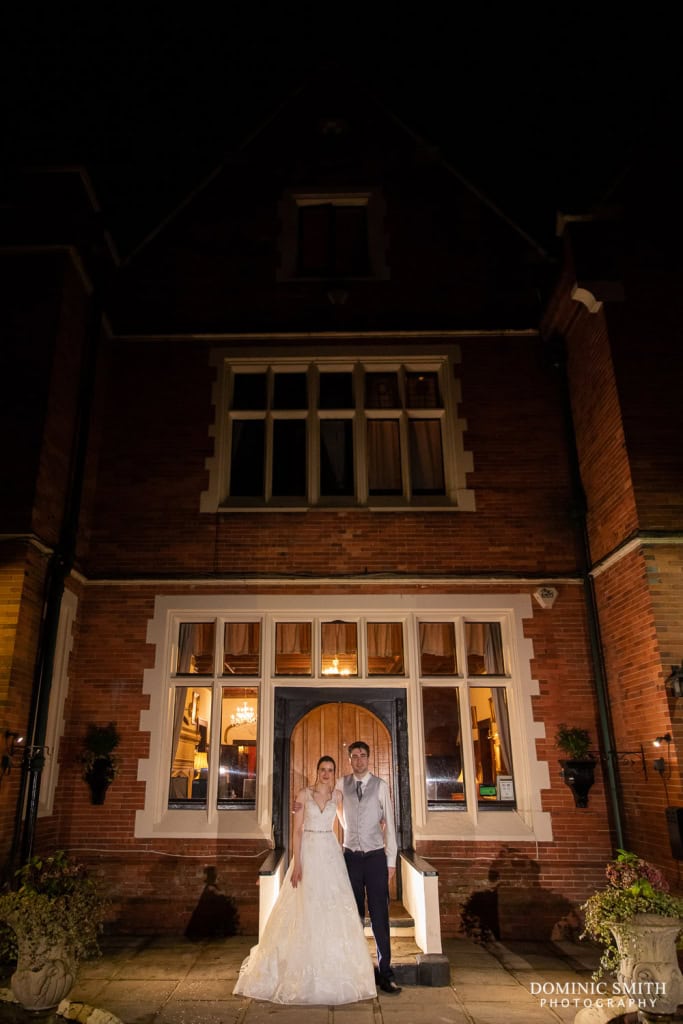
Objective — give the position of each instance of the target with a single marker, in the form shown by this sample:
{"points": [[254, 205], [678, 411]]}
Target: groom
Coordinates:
{"points": [[368, 827]]}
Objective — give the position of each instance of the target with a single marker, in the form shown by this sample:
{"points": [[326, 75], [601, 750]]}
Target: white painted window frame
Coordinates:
{"points": [[528, 822], [457, 462]]}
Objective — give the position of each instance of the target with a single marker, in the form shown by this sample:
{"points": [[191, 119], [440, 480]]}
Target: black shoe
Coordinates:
{"points": [[389, 985]]}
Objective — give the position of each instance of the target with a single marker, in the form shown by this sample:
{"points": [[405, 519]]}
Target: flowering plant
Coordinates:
{"points": [[634, 887]]}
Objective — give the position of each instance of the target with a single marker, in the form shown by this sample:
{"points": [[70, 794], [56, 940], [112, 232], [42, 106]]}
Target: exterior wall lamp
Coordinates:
{"points": [[13, 749]]}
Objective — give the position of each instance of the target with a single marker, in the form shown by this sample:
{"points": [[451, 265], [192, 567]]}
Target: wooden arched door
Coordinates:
{"points": [[329, 729]]}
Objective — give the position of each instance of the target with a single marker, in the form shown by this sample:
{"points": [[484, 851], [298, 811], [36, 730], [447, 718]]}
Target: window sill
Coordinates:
{"points": [[493, 825], [342, 506]]}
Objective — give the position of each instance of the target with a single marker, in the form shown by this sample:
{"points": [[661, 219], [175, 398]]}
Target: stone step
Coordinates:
{"points": [[412, 966]]}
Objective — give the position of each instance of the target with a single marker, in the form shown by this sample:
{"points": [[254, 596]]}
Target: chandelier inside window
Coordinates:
{"points": [[244, 714], [335, 670]]}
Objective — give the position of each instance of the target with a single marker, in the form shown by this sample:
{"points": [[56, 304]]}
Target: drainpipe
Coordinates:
{"points": [[59, 566], [558, 356]]}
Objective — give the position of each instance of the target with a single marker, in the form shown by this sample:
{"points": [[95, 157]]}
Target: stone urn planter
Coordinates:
{"points": [[649, 962], [44, 975], [637, 920], [55, 913]]}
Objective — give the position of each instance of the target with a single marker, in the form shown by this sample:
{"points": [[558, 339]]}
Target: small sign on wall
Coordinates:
{"points": [[506, 787]]}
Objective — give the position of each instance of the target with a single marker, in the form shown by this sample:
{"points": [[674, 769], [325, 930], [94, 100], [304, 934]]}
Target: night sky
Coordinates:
{"points": [[150, 101]]}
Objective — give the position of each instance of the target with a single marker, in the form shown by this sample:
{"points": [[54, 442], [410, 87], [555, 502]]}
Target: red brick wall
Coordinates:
{"points": [[640, 706], [21, 596], [605, 469], [155, 883], [156, 441]]}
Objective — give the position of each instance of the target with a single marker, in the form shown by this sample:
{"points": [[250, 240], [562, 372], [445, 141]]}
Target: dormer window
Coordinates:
{"points": [[333, 240], [332, 236]]}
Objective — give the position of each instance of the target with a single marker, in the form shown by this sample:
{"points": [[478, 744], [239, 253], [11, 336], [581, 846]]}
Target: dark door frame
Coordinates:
{"points": [[390, 706]]}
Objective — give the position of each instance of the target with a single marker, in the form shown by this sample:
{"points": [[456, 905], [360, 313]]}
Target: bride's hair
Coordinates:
{"points": [[326, 757]]}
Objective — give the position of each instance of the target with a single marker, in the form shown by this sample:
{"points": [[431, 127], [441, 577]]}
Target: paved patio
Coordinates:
{"points": [[175, 981]]}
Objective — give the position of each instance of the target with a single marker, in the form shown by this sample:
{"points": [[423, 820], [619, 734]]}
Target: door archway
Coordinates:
{"points": [[329, 729], [386, 708]]}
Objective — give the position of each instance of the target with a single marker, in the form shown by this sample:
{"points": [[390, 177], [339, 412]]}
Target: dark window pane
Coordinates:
{"points": [[384, 457], [315, 239], [381, 391], [289, 458], [351, 241], [336, 391], [443, 746], [249, 391], [290, 391], [426, 457], [336, 458], [246, 464], [333, 240], [422, 391], [437, 649]]}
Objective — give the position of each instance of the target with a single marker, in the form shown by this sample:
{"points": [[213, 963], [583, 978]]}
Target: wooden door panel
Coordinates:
{"points": [[330, 729]]}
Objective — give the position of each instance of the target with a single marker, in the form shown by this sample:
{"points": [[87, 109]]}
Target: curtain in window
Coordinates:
{"points": [[503, 724], [385, 639], [293, 637], [384, 456], [240, 638], [426, 461], [195, 640], [339, 638], [484, 639], [437, 638], [181, 693]]}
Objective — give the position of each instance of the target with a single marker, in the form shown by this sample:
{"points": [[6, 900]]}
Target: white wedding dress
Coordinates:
{"points": [[313, 949]]}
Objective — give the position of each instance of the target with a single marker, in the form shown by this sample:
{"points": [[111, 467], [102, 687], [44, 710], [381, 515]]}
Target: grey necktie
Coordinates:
{"points": [[359, 790]]}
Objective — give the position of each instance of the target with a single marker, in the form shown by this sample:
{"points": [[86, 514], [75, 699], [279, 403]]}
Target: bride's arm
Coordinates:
{"points": [[340, 807], [297, 833]]}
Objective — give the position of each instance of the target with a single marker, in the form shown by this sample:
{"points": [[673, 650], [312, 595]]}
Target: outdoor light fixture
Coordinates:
{"points": [[658, 740], [13, 747]]}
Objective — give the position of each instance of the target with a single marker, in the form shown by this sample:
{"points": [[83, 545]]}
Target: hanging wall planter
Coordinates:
{"points": [[100, 765], [99, 778], [578, 770], [579, 776]]}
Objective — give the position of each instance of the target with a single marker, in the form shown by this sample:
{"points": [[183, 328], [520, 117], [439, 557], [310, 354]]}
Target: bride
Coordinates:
{"points": [[313, 949]]}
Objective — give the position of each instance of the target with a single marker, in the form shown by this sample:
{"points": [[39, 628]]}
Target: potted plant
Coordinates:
{"points": [[578, 769], [99, 762], [56, 914], [637, 921]]}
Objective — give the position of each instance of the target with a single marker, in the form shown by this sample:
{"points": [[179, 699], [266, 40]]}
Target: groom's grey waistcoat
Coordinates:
{"points": [[362, 817]]}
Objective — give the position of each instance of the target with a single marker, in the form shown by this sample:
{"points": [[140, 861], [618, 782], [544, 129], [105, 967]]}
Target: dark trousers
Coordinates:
{"points": [[369, 877]]}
